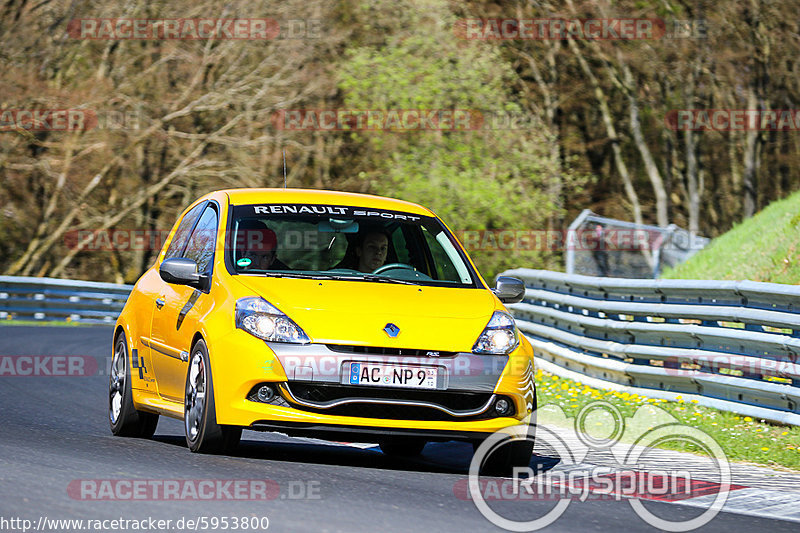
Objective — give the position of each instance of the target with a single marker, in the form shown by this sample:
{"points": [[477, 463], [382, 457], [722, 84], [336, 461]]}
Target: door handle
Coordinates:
{"points": [[160, 302]]}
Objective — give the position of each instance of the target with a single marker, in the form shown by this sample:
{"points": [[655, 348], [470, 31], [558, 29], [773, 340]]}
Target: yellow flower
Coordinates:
{"points": [[748, 419], [785, 433], [764, 449]]}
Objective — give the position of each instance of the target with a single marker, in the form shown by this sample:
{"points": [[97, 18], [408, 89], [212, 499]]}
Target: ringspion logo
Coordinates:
{"points": [[629, 443]]}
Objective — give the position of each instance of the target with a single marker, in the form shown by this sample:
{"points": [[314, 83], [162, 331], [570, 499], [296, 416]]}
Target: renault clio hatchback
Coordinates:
{"points": [[325, 314]]}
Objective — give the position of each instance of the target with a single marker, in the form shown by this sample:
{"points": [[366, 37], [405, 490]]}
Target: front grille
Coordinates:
{"points": [[394, 412], [380, 350], [318, 393]]}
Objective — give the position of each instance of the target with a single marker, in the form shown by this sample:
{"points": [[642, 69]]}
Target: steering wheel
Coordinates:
{"points": [[390, 266]]}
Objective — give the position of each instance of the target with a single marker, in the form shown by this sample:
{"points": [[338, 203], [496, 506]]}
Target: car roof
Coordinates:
{"points": [[322, 197]]}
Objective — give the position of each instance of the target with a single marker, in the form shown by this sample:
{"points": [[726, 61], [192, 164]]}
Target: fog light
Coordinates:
{"points": [[501, 406], [265, 393]]}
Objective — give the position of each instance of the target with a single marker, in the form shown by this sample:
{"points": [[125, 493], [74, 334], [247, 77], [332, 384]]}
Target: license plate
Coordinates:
{"points": [[391, 376]]}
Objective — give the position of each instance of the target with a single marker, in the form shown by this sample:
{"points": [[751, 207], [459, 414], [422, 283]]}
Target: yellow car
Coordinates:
{"points": [[319, 313]]}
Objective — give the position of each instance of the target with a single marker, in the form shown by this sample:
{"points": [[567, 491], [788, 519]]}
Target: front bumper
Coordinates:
{"points": [[365, 433], [289, 367]]}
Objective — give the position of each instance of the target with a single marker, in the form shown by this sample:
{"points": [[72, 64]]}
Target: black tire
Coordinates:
{"points": [[503, 459], [402, 446], [203, 434], [124, 419], [512, 453]]}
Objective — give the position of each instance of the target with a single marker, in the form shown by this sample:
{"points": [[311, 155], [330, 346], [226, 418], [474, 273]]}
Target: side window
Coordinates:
{"points": [[201, 243], [182, 233], [445, 270]]}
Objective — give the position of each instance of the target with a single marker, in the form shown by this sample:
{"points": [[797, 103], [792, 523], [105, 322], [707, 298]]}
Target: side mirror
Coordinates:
{"points": [[509, 290], [182, 271]]}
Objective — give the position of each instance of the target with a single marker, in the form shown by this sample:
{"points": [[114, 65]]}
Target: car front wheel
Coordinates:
{"points": [[508, 454], [203, 434]]}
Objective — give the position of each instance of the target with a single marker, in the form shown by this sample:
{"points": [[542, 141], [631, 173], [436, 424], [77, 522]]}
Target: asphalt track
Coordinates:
{"points": [[54, 432]]}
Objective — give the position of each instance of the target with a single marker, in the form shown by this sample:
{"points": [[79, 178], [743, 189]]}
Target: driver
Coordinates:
{"points": [[371, 251]]}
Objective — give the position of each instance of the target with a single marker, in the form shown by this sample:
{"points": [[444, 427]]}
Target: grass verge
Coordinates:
{"points": [[762, 248], [741, 437]]}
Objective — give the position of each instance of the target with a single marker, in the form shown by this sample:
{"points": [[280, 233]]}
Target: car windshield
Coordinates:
{"points": [[345, 243]]}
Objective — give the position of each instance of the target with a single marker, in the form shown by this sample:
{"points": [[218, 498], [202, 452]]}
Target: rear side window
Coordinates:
{"points": [[182, 233], [201, 244]]}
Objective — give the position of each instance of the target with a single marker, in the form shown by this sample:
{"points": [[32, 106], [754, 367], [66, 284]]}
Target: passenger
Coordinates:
{"points": [[256, 242]]}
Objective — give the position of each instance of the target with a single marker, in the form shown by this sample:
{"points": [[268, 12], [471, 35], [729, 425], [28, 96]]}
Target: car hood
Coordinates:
{"points": [[356, 312]]}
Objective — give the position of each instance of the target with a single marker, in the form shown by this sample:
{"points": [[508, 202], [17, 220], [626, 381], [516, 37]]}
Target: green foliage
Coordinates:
{"points": [[481, 179]]}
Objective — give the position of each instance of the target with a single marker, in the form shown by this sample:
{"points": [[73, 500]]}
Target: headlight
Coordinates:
{"points": [[499, 337], [260, 318]]}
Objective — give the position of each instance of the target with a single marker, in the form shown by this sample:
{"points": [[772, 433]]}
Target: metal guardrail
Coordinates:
{"points": [[48, 299], [733, 345], [730, 345]]}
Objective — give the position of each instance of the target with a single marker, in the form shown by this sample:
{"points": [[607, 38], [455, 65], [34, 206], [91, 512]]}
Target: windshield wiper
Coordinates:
{"points": [[299, 275], [337, 277], [373, 277]]}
